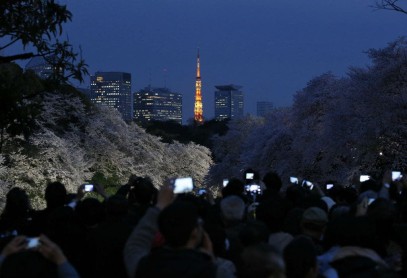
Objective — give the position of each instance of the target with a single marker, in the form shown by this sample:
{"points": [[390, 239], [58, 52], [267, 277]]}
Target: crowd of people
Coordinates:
{"points": [[254, 228]]}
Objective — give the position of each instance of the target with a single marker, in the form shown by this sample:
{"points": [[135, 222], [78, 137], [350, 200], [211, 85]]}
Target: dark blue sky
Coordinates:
{"points": [[270, 47]]}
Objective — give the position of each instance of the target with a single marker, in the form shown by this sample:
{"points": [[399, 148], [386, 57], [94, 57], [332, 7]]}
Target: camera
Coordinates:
{"points": [[89, 187], [249, 176], [183, 185], [33, 242]]}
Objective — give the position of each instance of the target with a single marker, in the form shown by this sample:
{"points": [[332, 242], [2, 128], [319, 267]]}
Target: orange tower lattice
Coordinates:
{"points": [[198, 111]]}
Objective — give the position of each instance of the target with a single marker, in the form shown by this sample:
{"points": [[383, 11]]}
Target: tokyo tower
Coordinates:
{"points": [[198, 112]]}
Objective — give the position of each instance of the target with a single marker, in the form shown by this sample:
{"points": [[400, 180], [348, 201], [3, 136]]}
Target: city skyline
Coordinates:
{"points": [[157, 104], [272, 48], [113, 89]]}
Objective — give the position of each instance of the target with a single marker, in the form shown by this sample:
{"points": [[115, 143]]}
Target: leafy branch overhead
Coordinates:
{"points": [[392, 5], [38, 24]]}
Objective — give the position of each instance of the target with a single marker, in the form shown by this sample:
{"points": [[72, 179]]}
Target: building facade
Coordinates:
{"points": [[157, 104], [113, 89], [41, 67], [229, 102], [264, 108]]}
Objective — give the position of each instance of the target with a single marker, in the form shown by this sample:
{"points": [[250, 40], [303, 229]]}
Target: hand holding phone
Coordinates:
{"points": [[33, 242]]}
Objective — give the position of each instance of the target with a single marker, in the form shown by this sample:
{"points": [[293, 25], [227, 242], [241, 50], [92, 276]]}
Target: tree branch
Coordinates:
{"points": [[10, 43], [24, 56], [390, 5]]}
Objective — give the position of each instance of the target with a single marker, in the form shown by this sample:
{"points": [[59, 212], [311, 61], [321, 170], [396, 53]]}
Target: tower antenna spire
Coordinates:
{"points": [[198, 111]]}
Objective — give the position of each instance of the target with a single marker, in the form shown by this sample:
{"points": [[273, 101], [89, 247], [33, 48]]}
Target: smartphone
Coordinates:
{"points": [[294, 180], [364, 178], [249, 176], [225, 182], [329, 186], [307, 184], [396, 175], [88, 187], [371, 200], [183, 185], [201, 191], [33, 242]]}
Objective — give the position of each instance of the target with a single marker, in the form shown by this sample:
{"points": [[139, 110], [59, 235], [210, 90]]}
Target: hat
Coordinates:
{"points": [[314, 215]]}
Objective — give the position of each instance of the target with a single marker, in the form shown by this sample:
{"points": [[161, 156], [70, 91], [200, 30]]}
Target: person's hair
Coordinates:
{"points": [[232, 208], [296, 195], [369, 185], [28, 264], [55, 194], [116, 206], [338, 211], [90, 212], [234, 187], [261, 261], [272, 181], [17, 207], [176, 223], [383, 212], [300, 257], [142, 191], [254, 232], [353, 231], [273, 213]]}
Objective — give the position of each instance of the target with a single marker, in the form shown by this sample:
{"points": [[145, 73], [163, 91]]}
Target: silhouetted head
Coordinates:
{"points": [[234, 187], [300, 258], [17, 203], [116, 206], [142, 191], [177, 222], [232, 208], [254, 232], [272, 181], [90, 211], [55, 195], [261, 261]]}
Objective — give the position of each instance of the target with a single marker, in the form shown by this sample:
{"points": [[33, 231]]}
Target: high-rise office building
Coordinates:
{"points": [[264, 108], [85, 91], [198, 110], [229, 102], [113, 89], [158, 104], [40, 66]]}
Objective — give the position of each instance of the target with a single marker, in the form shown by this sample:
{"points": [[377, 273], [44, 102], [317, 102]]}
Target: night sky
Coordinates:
{"points": [[270, 47]]}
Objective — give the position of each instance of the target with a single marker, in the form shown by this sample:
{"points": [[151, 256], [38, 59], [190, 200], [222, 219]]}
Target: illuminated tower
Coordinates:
{"points": [[198, 113]]}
